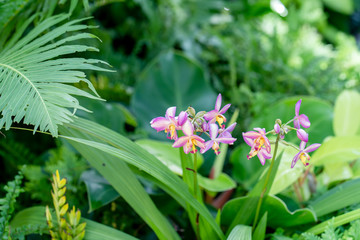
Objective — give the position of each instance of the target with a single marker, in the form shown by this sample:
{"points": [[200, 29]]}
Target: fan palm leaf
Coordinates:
{"points": [[36, 78]]}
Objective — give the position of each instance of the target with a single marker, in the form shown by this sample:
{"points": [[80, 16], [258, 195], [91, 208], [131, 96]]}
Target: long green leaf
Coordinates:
{"points": [[339, 197], [93, 230], [336, 221], [259, 233], [34, 78], [122, 148], [118, 174], [240, 232]]}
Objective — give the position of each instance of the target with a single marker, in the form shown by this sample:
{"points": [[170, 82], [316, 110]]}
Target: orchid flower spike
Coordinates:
{"points": [[303, 153], [302, 119], [216, 115], [169, 123], [214, 140], [259, 144], [190, 140]]}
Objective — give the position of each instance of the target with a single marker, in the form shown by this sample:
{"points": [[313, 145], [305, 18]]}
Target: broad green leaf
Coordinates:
{"points": [[119, 147], [336, 221], [337, 198], [320, 114], [240, 232], [93, 230], [336, 171], [99, 191], [337, 149], [170, 157], [347, 114], [345, 6], [34, 76], [170, 80], [286, 175], [246, 213], [260, 229], [121, 178], [278, 213]]}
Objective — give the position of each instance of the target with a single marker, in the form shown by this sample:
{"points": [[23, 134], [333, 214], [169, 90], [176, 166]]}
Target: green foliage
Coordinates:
{"points": [[7, 205], [9, 9], [34, 78]]}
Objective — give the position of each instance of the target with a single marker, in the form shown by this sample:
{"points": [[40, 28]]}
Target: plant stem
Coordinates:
{"points": [[195, 175], [265, 184]]}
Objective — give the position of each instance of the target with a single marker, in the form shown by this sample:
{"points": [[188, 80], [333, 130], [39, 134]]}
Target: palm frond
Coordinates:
{"points": [[35, 78]]}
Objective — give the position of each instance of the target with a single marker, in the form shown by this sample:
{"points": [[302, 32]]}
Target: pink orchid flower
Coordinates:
{"points": [[302, 119], [189, 141], [303, 153], [169, 123], [259, 144], [216, 115], [214, 140], [227, 131]]}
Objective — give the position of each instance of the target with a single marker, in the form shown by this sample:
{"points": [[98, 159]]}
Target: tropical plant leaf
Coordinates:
{"points": [[34, 79], [240, 232], [9, 9], [93, 230]]}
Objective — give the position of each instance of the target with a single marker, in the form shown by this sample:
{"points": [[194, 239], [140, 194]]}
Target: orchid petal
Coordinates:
{"points": [[211, 115], [261, 130], [248, 141], [198, 139], [261, 158], [266, 154], [180, 141], [225, 108], [218, 102], [188, 128], [312, 147], [277, 128], [183, 116], [295, 159], [226, 140], [214, 129], [297, 107], [187, 148], [251, 134], [208, 145], [302, 135], [160, 123], [304, 121], [230, 128], [302, 145], [297, 123], [170, 112], [267, 144]]}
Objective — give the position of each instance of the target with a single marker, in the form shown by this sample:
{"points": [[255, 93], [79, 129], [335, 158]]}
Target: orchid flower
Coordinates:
{"points": [[216, 115], [259, 144], [190, 140], [227, 131], [302, 119], [214, 140], [169, 123], [303, 153], [302, 135]]}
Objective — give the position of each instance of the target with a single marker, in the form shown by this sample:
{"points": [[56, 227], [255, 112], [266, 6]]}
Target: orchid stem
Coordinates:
{"points": [[195, 175], [265, 184]]}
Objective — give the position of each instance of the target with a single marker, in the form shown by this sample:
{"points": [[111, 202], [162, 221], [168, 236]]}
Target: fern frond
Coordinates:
{"points": [[34, 78]]}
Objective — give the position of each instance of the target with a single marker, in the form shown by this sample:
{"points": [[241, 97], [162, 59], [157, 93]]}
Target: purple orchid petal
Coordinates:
{"points": [[187, 148], [261, 158], [214, 129], [277, 128], [226, 140], [304, 121], [201, 144], [218, 103], [170, 112], [180, 141], [297, 107], [251, 134], [225, 108], [160, 123], [295, 159], [230, 128], [248, 141], [198, 139], [302, 135], [208, 145], [225, 134], [266, 154], [211, 116], [302, 145], [312, 147], [188, 128], [205, 127], [267, 144], [297, 123], [261, 130], [183, 116]]}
